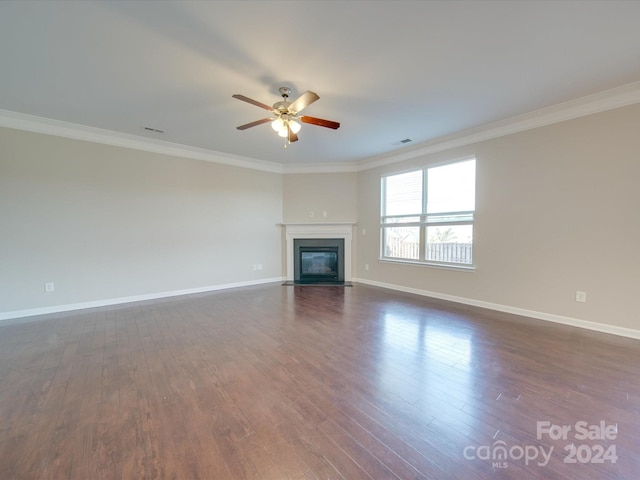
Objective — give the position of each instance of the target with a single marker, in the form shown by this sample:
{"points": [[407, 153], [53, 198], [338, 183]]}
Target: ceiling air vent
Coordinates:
{"points": [[406, 140], [154, 130]]}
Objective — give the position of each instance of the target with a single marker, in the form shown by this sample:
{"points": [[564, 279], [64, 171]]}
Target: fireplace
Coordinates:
{"points": [[337, 235], [318, 260]]}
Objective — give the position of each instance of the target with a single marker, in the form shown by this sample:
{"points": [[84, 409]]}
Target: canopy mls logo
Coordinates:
{"points": [[499, 453]]}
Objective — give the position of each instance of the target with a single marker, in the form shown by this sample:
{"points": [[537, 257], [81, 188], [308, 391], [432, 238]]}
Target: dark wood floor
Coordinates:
{"points": [[276, 382]]}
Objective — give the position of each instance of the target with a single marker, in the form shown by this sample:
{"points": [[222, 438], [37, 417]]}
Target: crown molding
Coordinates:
{"points": [[607, 100], [346, 167], [48, 126]]}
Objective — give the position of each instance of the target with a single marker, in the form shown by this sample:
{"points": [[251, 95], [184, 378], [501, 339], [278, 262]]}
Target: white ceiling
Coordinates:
{"points": [[386, 70]]}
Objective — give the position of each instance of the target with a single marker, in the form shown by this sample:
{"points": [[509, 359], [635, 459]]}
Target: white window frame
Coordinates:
{"points": [[424, 220]]}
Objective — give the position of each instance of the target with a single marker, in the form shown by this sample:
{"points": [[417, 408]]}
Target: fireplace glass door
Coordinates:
{"points": [[319, 264]]}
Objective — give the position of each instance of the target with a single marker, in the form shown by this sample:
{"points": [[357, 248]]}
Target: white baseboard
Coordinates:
{"points": [[135, 298], [549, 317]]}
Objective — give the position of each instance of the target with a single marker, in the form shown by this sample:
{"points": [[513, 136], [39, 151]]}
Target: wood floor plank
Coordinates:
{"points": [[308, 383]]}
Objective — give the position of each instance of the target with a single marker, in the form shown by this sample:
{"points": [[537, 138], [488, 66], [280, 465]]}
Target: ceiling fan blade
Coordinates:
{"points": [[319, 121], [253, 102], [304, 100], [292, 136], [253, 124]]}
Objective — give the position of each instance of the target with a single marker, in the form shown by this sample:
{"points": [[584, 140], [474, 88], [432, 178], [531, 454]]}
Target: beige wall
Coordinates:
{"points": [[308, 196], [105, 222], [557, 211]]}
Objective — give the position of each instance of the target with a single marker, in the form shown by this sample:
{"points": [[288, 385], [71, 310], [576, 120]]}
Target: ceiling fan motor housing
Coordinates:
{"points": [[281, 107]]}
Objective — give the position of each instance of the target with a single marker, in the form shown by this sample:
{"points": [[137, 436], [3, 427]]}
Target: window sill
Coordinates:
{"points": [[444, 266]]}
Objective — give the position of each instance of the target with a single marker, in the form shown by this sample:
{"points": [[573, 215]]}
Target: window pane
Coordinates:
{"points": [[402, 242], [389, 220], [450, 244], [454, 217], [452, 188], [403, 194]]}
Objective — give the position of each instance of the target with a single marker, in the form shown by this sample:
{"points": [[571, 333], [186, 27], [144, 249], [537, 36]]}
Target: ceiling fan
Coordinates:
{"points": [[285, 117]]}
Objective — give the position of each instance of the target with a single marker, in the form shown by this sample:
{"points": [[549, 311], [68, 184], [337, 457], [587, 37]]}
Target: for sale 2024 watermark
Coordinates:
{"points": [[585, 443]]}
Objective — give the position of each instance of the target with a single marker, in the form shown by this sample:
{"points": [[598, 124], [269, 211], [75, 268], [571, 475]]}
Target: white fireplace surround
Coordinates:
{"points": [[319, 230]]}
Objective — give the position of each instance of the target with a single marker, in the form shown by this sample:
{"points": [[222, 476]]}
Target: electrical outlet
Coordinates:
{"points": [[366, 266], [311, 214], [364, 231], [324, 213], [581, 296], [49, 287]]}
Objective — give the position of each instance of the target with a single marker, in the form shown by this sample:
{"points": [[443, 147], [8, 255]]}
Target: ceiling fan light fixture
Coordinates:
{"points": [[277, 124], [283, 132], [295, 126]]}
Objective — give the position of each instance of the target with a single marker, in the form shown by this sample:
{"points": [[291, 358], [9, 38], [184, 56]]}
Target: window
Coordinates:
{"points": [[428, 214]]}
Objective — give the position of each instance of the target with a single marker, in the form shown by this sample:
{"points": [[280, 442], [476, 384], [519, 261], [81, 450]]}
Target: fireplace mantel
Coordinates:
{"points": [[342, 230]]}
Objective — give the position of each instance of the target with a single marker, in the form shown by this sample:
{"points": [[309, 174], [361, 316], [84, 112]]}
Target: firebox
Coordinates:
{"points": [[318, 260]]}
